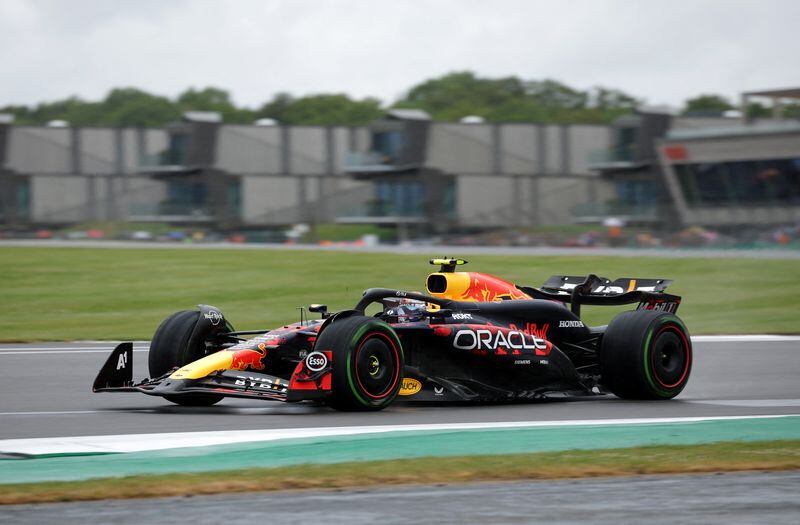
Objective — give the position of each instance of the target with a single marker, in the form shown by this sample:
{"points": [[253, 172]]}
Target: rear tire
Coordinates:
{"points": [[646, 354], [172, 347], [367, 363]]}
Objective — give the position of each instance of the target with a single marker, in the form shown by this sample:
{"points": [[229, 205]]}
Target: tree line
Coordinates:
{"points": [[446, 98]]}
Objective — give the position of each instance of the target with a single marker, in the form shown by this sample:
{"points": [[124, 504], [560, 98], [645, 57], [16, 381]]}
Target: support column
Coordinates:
{"points": [[321, 210], [541, 164], [115, 195], [8, 191], [90, 211], [777, 108], [566, 161]]}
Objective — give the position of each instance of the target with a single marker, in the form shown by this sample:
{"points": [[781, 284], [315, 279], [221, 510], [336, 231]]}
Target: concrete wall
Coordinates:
{"points": [[582, 141], [258, 149], [273, 200], [506, 174], [76, 175], [483, 201], [97, 150], [308, 151], [249, 149], [520, 148], [59, 198], [523, 148], [498, 200], [263, 196], [39, 150], [460, 148]]}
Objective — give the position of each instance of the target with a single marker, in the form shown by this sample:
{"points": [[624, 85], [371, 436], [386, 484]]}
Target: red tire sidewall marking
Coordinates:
{"points": [[396, 357], [687, 352]]}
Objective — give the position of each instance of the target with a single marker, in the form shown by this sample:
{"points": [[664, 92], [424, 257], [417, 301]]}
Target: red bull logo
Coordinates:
{"points": [[485, 288], [249, 358], [533, 329]]}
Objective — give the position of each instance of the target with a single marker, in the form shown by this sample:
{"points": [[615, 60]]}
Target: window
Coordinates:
{"points": [[401, 199], [637, 192], [23, 198], [409, 199], [741, 183], [626, 144], [234, 200], [176, 154], [388, 144], [22, 201], [184, 198]]}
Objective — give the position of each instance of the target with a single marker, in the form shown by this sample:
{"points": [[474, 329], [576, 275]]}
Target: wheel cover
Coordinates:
{"points": [[377, 365], [670, 357]]}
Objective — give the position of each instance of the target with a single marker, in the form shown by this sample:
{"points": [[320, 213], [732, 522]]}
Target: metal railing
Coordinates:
{"points": [[610, 156]]}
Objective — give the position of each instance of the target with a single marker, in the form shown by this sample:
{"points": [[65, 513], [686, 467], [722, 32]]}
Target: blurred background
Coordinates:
{"points": [[522, 123]]}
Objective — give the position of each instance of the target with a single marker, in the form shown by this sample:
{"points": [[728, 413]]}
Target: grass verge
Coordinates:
{"points": [[57, 294], [717, 457]]}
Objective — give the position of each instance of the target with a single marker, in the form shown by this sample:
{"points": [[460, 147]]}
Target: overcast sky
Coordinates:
{"points": [[661, 50]]}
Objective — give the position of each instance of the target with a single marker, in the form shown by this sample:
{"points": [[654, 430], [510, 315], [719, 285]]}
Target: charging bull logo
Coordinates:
{"points": [[249, 359], [485, 288]]}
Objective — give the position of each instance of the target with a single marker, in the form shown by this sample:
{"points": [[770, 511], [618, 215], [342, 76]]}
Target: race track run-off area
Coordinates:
{"points": [[53, 428]]}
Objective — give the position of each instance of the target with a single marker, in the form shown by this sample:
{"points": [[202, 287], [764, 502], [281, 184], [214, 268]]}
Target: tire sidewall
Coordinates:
{"points": [[176, 344], [659, 325], [627, 354], [345, 339]]}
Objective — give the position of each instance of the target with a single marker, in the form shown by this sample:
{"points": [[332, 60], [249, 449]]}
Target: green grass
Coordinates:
{"points": [[351, 232], [660, 459], [118, 294]]}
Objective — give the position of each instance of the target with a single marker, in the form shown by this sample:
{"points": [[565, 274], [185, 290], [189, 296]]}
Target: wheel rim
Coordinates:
{"points": [[377, 365], [670, 357]]}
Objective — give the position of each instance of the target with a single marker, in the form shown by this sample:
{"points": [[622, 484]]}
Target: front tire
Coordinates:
{"points": [[172, 347], [646, 354], [367, 363]]}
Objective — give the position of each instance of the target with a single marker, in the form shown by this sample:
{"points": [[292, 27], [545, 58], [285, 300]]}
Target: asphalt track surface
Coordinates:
{"points": [[709, 499], [45, 391]]}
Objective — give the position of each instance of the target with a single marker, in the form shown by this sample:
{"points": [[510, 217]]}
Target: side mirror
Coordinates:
{"points": [[438, 316], [320, 309]]}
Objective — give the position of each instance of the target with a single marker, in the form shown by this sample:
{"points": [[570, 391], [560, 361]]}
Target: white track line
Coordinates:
{"points": [[143, 346], [750, 403], [53, 412], [753, 338], [147, 442]]}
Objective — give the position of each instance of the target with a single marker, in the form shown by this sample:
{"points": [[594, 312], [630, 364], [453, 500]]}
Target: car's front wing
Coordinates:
{"points": [[117, 376]]}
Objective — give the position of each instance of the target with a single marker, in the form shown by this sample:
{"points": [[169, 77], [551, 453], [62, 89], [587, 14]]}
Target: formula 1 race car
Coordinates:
{"points": [[472, 338]]}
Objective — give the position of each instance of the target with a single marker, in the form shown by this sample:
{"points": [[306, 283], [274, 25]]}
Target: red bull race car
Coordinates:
{"points": [[472, 337]]}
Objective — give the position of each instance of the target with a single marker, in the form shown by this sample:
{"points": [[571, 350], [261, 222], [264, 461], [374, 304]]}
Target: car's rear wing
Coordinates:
{"points": [[594, 290]]}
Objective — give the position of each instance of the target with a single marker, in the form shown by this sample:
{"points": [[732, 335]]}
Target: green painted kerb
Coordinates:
{"points": [[395, 445]]}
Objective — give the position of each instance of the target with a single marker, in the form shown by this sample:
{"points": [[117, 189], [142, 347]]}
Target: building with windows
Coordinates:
{"points": [[672, 171], [733, 177], [402, 171]]}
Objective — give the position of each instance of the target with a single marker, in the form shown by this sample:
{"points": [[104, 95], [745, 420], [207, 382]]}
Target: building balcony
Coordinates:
{"points": [[374, 163], [618, 158], [165, 162]]}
